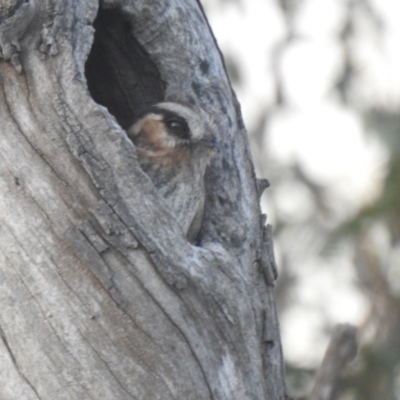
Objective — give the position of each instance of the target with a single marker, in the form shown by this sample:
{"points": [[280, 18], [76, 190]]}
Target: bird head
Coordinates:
{"points": [[172, 126]]}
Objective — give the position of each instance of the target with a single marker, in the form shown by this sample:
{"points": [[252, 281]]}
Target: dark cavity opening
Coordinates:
{"points": [[120, 74]]}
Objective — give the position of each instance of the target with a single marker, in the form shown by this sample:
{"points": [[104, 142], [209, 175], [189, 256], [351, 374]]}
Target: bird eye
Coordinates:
{"points": [[178, 127], [175, 125]]}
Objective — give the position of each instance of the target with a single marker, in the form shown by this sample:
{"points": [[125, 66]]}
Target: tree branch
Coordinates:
{"points": [[341, 350]]}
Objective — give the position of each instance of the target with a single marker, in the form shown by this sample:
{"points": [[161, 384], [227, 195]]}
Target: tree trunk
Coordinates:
{"points": [[101, 296]]}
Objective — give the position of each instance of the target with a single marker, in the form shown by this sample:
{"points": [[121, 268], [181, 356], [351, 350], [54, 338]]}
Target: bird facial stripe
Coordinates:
{"points": [[175, 124]]}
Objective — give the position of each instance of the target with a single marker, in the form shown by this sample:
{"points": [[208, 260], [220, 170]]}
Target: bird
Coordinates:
{"points": [[175, 143]]}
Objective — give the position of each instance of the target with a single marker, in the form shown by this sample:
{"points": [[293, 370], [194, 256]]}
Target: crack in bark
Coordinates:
{"points": [[15, 363], [105, 363], [127, 312], [21, 131], [33, 297]]}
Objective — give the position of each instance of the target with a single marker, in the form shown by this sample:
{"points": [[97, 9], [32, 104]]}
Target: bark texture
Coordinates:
{"points": [[101, 296]]}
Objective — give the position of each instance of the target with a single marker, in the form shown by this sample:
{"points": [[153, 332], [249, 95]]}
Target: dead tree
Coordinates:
{"points": [[101, 296]]}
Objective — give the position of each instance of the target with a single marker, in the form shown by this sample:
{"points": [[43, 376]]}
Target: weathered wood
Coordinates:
{"points": [[101, 296]]}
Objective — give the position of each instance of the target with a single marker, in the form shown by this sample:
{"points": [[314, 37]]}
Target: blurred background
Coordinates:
{"points": [[319, 85]]}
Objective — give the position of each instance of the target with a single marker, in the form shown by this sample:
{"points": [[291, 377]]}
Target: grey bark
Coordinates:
{"points": [[101, 297]]}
